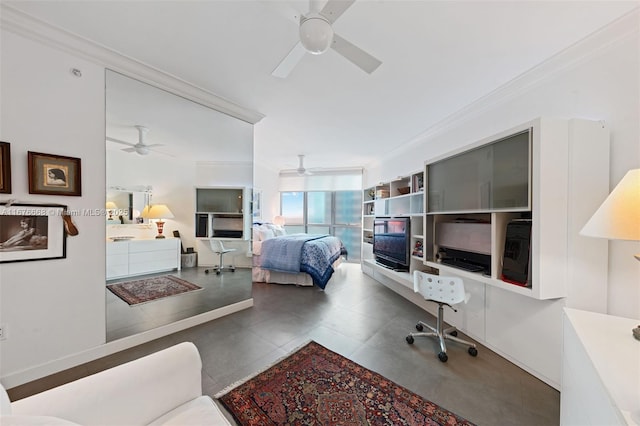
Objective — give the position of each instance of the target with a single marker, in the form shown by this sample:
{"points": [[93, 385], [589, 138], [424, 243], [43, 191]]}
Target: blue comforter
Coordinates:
{"points": [[310, 253]]}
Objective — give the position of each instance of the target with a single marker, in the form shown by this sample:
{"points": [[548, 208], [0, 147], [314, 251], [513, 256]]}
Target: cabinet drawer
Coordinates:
{"points": [[153, 245], [146, 264], [120, 247]]}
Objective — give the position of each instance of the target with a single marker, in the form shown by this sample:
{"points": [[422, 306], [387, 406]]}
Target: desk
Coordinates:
{"points": [[600, 370]]}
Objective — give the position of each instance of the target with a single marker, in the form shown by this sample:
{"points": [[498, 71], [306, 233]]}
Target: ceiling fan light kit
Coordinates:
{"points": [[316, 34]]}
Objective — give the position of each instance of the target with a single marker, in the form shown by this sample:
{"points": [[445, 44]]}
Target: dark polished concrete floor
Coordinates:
{"points": [[217, 291], [364, 321]]}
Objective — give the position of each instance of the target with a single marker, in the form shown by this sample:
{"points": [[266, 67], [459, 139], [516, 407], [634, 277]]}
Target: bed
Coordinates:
{"points": [[300, 259]]}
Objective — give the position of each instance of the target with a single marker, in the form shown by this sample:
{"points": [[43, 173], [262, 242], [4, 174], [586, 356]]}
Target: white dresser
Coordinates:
{"points": [[138, 257], [600, 370]]}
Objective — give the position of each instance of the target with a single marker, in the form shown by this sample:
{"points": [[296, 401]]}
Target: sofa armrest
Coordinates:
{"points": [[134, 393]]}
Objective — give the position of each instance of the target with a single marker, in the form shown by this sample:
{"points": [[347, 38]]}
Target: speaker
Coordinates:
{"points": [[516, 260]]}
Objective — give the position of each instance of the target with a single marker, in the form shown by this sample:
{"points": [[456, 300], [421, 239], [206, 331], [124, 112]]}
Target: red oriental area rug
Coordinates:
{"points": [[148, 289], [315, 386]]}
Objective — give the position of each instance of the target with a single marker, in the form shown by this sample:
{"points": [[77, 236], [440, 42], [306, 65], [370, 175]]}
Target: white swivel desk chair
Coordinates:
{"points": [[218, 248], [443, 291]]}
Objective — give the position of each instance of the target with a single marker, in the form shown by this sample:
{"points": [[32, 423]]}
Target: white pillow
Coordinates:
{"points": [[279, 231], [35, 421], [266, 233]]}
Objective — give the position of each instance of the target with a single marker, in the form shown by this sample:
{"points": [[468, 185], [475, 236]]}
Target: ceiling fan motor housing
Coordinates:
{"points": [[316, 34]]}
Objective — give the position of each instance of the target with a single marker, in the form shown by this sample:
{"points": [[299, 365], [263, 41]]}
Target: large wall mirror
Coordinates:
{"points": [[160, 148]]}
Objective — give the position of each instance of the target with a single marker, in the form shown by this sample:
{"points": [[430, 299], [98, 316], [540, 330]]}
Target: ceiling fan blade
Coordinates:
{"points": [[335, 8], [119, 141], [129, 149], [290, 61], [153, 145], [354, 54]]}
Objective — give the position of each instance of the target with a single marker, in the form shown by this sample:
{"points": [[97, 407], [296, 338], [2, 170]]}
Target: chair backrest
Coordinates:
{"points": [[439, 288], [216, 246]]}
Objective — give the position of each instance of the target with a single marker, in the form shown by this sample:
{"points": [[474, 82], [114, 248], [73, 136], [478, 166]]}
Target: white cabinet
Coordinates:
{"points": [[138, 257], [600, 370], [117, 259], [568, 179], [559, 193]]}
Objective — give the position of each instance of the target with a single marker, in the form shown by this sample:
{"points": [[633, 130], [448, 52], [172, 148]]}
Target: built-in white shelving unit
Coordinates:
{"points": [[550, 172]]}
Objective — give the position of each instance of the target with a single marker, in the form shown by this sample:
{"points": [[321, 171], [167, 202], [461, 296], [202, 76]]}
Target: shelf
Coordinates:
{"points": [[403, 278], [480, 277]]}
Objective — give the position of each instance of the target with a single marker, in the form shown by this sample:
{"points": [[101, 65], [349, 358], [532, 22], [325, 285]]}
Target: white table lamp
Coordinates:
{"points": [[618, 218], [157, 211]]}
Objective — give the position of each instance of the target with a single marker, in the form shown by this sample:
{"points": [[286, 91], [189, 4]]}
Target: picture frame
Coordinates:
{"points": [[31, 232], [5, 168], [54, 174]]}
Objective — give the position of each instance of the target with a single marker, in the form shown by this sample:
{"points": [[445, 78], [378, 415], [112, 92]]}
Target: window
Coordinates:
{"points": [[337, 213]]}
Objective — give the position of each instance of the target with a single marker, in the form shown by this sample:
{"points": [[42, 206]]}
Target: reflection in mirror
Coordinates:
{"points": [[160, 149], [125, 205]]}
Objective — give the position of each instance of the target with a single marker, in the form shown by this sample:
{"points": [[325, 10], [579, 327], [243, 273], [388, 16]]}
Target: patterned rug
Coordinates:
{"points": [[315, 386], [148, 289]]}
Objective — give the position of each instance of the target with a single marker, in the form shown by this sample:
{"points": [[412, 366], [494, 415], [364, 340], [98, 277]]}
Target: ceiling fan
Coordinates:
{"points": [[317, 36], [140, 148], [300, 171]]}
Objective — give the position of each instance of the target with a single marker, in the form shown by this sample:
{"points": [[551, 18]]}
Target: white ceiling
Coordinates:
{"points": [[437, 57]]}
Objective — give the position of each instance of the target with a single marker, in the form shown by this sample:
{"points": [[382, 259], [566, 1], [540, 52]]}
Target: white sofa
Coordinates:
{"points": [[164, 388]]}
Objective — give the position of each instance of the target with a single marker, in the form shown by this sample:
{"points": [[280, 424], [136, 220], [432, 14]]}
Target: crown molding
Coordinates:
{"points": [[625, 28], [27, 26]]}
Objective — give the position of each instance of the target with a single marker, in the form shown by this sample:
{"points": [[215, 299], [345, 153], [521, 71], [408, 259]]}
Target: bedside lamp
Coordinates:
{"points": [[110, 206], [618, 218], [157, 211]]}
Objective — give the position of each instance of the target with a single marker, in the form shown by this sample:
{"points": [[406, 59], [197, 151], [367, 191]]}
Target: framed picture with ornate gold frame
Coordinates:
{"points": [[5, 168], [54, 174]]}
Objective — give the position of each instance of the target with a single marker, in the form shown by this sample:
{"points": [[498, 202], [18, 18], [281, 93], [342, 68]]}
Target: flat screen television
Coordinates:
{"points": [[391, 242]]}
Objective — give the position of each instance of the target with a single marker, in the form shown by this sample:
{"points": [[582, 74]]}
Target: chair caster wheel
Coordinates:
{"points": [[473, 351], [206, 271], [442, 356], [419, 327], [233, 269], [217, 272], [409, 339]]}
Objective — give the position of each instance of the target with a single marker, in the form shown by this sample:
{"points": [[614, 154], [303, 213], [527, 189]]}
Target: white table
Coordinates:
{"points": [[600, 370]]}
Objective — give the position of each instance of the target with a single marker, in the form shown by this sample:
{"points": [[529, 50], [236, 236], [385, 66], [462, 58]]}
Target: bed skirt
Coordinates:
{"points": [[260, 275]]}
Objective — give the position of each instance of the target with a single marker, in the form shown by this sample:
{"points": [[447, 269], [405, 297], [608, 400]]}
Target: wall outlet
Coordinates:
{"points": [[3, 331]]}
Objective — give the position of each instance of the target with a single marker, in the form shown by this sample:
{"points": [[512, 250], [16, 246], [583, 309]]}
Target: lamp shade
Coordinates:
{"points": [[111, 205], [618, 218], [279, 220], [157, 211], [316, 34]]}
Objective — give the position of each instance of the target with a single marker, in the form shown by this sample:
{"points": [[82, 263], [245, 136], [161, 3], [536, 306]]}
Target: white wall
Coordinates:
{"points": [[53, 308], [596, 79]]}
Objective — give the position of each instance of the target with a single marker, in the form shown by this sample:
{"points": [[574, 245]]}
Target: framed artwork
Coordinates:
{"points": [[5, 168], [32, 232], [54, 174]]}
